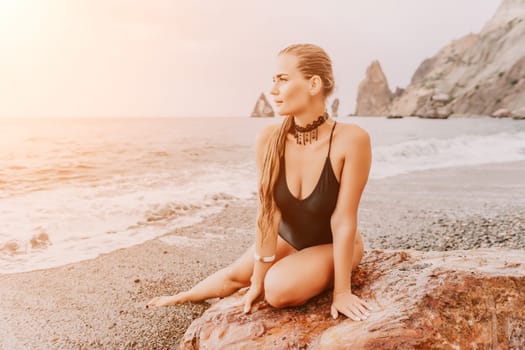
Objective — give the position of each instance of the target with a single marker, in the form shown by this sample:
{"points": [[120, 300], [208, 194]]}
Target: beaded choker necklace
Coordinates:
{"points": [[309, 132]]}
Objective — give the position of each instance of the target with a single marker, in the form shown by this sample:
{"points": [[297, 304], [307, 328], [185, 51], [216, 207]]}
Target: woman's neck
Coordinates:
{"points": [[309, 115]]}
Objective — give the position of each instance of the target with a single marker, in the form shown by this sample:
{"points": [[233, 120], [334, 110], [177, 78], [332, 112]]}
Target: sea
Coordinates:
{"points": [[74, 188]]}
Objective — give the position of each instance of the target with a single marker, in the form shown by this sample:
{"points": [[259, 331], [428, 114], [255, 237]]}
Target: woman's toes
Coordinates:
{"points": [[166, 300], [152, 303]]}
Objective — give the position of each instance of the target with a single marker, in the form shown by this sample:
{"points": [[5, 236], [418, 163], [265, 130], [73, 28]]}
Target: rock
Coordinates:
{"points": [[335, 107], [507, 11], [440, 97], [480, 72], [463, 299], [443, 112], [10, 247], [399, 91], [373, 96], [262, 107], [519, 113], [40, 240], [502, 113], [434, 111], [459, 115], [394, 116]]}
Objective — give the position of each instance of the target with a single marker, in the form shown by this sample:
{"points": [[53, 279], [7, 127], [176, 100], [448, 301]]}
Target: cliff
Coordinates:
{"points": [[477, 74]]}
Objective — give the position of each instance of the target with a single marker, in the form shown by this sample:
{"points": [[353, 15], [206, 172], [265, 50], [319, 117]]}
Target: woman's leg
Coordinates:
{"points": [[224, 281], [298, 277]]}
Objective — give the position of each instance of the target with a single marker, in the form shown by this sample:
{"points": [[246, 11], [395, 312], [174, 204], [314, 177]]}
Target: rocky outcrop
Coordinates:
{"points": [[481, 73], [373, 95], [435, 107], [262, 108], [502, 113], [335, 108], [463, 299], [40, 240], [506, 12], [519, 113], [394, 116]]}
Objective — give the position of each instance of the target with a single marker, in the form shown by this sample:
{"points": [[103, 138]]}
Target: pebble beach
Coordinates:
{"points": [[99, 303]]}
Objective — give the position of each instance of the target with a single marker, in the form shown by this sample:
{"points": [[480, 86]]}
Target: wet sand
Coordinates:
{"points": [[99, 303]]}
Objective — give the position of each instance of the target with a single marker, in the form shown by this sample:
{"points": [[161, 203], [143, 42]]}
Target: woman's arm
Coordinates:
{"points": [[268, 246], [356, 168], [265, 249]]}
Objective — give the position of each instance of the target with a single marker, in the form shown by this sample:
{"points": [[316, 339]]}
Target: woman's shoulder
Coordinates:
{"points": [[351, 134], [265, 133], [262, 139]]}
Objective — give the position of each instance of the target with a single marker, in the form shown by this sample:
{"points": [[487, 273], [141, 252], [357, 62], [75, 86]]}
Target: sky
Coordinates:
{"points": [[175, 58]]}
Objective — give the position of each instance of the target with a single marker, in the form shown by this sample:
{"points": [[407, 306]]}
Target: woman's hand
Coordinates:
{"points": [[166, 300], [253, 292], [350, 305]]}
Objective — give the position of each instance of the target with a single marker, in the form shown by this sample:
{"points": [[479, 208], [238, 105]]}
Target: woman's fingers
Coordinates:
{"points": [[365, 304], [357, 311], [348, 313], [334, 312], [362, 309], [248, 299], [250, 296], [352, 313]]}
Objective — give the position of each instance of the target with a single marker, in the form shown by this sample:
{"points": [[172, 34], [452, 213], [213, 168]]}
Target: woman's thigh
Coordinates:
{"points": [[241, 269], [298, 277], [302, 275]]}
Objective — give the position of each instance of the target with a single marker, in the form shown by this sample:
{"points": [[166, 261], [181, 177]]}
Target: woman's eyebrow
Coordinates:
{"points": [[279, 75]]}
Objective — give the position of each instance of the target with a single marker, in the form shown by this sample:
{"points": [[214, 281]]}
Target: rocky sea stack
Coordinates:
{"points": [[262, 108]]}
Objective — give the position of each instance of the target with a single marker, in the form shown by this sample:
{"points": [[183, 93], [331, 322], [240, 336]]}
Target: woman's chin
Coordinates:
{"points": [[281, 112]]}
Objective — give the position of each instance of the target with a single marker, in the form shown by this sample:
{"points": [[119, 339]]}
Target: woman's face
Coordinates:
{"points": [[290, 90]]}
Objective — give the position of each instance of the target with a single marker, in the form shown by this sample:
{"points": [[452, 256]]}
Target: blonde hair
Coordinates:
{"points": [[311, 60]]}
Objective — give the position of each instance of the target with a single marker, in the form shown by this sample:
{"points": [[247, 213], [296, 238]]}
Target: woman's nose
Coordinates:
{"points": [[274, 90]]}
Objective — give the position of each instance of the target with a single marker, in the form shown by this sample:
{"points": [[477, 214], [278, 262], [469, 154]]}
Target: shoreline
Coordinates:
{"points": [[99, 302]]}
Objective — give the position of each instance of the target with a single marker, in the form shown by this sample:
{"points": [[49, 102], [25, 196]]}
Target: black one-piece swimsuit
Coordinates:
{"points": [[306, 222]]}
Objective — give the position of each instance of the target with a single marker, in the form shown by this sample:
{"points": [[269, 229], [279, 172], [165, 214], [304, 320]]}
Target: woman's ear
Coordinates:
{"points": [[315, 85]]}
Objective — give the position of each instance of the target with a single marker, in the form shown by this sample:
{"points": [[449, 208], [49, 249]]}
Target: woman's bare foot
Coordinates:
{"points": [[166, 300]]}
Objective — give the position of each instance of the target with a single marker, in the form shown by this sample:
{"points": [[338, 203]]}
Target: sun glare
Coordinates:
{"points": [[19, 20]]}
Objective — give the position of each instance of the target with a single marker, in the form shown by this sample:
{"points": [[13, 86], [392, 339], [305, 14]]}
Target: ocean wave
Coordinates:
{"points": [[434, 153], [120, 190], [170, 211]]}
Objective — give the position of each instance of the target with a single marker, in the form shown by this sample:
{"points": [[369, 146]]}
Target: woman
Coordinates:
{"points": [[307, 238]]}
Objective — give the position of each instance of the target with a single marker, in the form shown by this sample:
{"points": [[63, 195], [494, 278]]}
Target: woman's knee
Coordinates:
{"points": [[234, 275], [276, 291], [241, 269]]}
